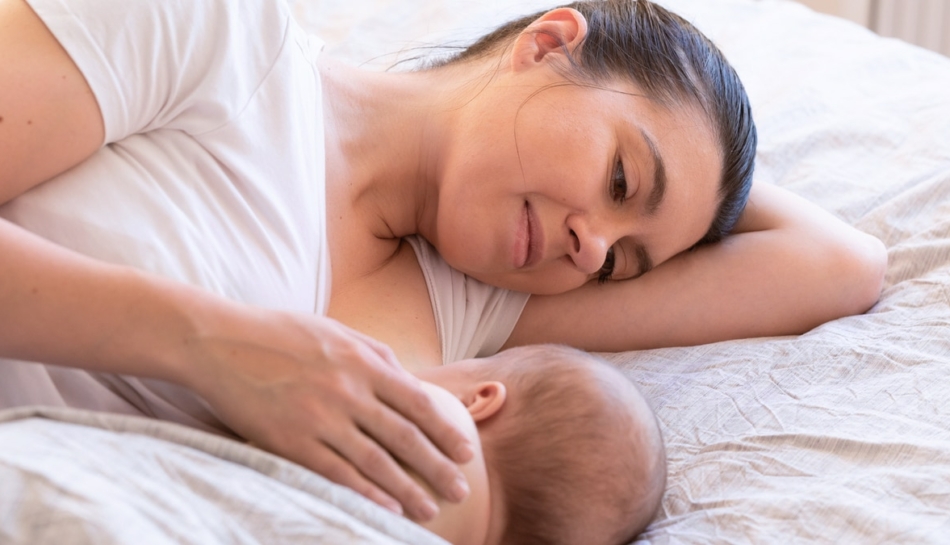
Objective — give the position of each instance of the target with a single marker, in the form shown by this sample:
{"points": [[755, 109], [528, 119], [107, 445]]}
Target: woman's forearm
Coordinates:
{"points": [[62, 308], [302, 386], [790, 267]]}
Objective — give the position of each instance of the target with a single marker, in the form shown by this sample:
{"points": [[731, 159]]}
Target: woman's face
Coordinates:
{"points": [[548, 183]]}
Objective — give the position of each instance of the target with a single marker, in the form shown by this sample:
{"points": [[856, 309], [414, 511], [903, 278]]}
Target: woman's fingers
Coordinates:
{"points": [[402, 391], [376, 466], [404, 429], [327, 462], [336, 401], [409, 425]]}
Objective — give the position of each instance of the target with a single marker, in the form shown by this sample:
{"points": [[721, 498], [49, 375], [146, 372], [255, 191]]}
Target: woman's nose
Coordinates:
{"points": [[588, 245]]}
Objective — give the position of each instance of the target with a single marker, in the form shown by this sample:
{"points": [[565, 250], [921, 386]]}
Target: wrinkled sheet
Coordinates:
{"points": [[72, 477], [840, 435]]}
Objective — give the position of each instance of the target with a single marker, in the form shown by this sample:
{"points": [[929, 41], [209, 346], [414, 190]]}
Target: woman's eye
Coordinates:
{"points": [[618, 186], [607, 270]]}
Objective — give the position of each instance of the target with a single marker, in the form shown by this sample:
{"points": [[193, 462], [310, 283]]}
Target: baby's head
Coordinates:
{"points": [[571, 450]]}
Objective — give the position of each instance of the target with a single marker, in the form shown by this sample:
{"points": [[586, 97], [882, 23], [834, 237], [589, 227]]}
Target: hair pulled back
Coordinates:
{"points": [[673, 62]]}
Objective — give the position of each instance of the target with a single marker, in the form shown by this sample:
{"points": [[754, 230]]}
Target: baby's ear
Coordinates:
{"points": [[485, 399]]}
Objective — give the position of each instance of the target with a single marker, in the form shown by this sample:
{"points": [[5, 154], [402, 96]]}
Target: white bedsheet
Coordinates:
{"points": [[73, 477], [840, 435]]}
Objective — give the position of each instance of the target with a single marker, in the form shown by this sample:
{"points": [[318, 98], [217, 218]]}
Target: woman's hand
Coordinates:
{"points": [[331, 399], [303, 387]]}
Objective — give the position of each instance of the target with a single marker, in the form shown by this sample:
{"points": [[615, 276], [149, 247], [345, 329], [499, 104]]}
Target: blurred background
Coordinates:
{"points": [[922, 22]]}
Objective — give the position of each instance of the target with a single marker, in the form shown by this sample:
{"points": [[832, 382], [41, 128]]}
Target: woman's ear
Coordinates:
{"points": [[550, 34], [485, 400]]}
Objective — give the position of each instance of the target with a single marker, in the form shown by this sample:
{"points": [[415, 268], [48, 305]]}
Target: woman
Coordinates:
{"points": [[159, 149]]}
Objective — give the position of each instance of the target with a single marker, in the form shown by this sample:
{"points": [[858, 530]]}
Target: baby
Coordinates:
{"points": [[567, 449]]}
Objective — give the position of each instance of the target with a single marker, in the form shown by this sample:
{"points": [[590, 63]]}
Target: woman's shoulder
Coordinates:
{"points": [[213, 172], [148, 62], [141, 20]]}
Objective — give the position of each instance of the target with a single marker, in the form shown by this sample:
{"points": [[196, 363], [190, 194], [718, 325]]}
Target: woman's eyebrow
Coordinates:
{"points": [[643, 260], [659, 175]]}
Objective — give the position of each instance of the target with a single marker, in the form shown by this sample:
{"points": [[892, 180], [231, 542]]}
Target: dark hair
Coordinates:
{"points": [[672, 61], [579, 453]]}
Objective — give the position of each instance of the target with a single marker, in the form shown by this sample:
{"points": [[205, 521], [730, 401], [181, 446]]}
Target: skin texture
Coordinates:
{"points": [[414, 154]]}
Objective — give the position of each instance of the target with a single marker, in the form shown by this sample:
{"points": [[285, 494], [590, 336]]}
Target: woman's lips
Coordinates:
{"points": [[529, 241]]}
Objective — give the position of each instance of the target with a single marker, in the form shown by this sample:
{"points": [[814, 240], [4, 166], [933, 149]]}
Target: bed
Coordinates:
{"points": [[840, 435]]}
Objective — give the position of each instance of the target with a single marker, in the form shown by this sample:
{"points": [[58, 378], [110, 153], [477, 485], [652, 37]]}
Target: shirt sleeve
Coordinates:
{"points": [[189, 65]]}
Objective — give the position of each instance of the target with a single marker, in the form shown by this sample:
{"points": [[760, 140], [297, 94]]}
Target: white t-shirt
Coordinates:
{"points": [[212, 173], [213, 168]]}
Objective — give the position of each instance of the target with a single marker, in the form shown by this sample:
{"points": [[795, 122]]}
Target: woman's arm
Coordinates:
{"points": [[789, 267], [304, 387], [49, 119]]}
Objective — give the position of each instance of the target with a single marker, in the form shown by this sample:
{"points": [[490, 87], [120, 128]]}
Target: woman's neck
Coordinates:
{"points": [[385, 134]]}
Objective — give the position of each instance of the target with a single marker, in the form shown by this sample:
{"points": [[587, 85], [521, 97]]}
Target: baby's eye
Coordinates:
{"points": [[607, 270], [618, 186]]}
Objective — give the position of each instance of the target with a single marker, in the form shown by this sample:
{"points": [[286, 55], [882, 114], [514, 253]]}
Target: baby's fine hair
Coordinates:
{"points": [[577, 450], [673, 62]]}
